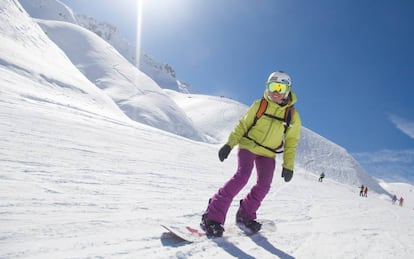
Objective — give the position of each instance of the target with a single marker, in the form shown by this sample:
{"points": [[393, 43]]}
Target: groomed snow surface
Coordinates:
{"points": [[77, 185]]}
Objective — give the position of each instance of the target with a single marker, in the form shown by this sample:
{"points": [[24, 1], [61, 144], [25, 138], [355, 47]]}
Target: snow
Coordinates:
{"points": [[80, 179], [49, 9], [207, 112], [134, 92]]}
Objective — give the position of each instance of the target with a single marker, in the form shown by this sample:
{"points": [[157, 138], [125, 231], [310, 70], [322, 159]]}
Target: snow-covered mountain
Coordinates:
{"points": [[162, 73], [81, 179], [135, 93], [53, 76], [110, 71], [317, 154]]}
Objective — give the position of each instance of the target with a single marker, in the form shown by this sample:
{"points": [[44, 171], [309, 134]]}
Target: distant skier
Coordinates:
{"points": [[321, 177], [366, 192], [394, 199], [361, 192], [259, 134], [401, 201]]}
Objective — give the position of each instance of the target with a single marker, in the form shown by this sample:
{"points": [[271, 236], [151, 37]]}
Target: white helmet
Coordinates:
{"points": [[280, 77]]}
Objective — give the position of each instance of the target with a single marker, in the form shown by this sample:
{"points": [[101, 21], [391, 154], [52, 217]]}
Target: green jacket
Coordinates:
{"points": [[268, 132]]}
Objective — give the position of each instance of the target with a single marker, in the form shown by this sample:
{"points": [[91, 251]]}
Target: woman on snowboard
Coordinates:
{"points": [[259, 139]]}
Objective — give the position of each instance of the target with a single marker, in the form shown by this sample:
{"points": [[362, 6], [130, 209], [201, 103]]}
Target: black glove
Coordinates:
{"points": [[287, 174], [224, 152]]}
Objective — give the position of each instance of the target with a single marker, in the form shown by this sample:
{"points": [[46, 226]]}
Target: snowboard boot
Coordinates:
{"points": [[211, 227], [248, 225]]}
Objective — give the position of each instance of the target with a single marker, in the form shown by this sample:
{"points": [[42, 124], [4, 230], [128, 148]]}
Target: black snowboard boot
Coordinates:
{"points": [[248, 225], [211, 227]]}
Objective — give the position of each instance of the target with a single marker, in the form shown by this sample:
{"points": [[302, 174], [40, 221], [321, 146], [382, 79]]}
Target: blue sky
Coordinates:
{"points": [[351, 62]]}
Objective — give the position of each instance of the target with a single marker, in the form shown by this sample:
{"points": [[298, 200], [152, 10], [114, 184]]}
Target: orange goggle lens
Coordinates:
{"points": [[277, 87]]}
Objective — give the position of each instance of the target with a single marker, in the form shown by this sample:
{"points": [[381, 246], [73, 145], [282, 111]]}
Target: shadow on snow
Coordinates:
{"points": [[169, 239]]}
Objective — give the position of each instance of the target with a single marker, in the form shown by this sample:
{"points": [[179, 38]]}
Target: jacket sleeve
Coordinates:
{"points": [[291, 142], [244, 123]]}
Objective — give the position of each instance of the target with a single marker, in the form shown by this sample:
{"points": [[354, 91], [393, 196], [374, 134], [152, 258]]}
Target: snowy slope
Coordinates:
{"points": [[215, 116], [28, 55], [162, 73], [134, 92], [317, 154], [80, 179], [49, 10], [72, 186], [404, 190]]}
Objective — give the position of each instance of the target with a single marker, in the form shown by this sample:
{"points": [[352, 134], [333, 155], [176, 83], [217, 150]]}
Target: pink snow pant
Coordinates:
{"points": [[220, 202]]}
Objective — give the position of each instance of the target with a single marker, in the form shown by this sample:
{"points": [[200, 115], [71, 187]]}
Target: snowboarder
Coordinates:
{"points": [[361, 192], [366, 191], [394, 199], [401, 201], [258, 139], [321, 177]]}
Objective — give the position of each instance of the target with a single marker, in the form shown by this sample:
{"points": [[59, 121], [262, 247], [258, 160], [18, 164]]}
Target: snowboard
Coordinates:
{"points": [[186, 233], [193, 235]]}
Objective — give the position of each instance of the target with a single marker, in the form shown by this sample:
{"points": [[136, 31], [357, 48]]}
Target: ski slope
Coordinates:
{"points": [[77, 185]]}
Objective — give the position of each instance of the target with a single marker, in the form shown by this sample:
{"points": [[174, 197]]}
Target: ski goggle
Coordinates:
{"points": [[280, 88]]}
